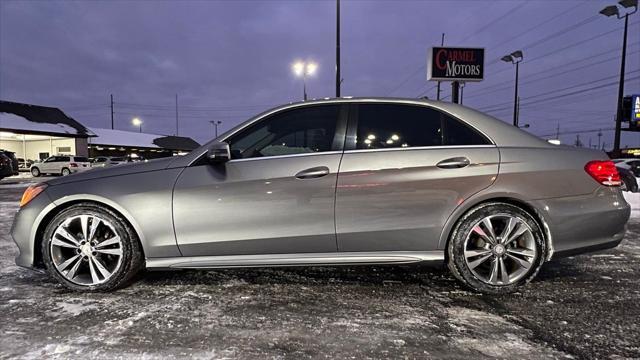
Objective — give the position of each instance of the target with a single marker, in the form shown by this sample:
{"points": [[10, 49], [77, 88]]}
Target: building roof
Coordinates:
{"points": [[110, 137], [34, 119]]}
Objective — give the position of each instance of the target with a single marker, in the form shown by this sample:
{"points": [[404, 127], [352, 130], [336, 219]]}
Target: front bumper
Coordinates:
{"points": [[585, 223], [24, 229]]}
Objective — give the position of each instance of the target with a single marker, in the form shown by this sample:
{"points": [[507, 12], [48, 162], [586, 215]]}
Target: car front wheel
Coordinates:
{"points": [[87, 247], [496, 248]]}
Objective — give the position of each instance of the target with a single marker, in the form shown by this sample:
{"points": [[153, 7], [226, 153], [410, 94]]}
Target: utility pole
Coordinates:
{"points": [[176, 114], [558, 131], [338, 78], [599, 137], [438, 91], [111, 111]]}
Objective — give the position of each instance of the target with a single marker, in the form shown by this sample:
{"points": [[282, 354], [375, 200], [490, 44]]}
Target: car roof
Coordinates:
{"points": [[501, 133]]}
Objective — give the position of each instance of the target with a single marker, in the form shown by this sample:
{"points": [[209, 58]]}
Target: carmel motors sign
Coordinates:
{"points": [[455, 64]]}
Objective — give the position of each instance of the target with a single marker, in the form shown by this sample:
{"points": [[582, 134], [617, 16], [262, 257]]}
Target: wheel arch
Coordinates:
{"points": [[67, 203], [511, 199]]}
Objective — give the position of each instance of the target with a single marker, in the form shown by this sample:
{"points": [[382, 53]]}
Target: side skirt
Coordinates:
{"points": [[277, 260]]}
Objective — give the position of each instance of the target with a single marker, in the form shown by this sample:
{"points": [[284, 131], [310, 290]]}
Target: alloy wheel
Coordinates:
{"points": [[86, 249], [500, 249]]}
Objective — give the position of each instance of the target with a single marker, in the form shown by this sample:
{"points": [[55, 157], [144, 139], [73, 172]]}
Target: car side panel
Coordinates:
{"points": [[399, 200], [144, 198]]}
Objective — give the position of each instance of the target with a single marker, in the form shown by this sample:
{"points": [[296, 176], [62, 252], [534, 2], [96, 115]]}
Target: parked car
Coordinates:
{"points": [[107, 161], [14, 166], [333, 182], [24, 165], [6, 166], [632, 164], [60, 164], [629, 182]]}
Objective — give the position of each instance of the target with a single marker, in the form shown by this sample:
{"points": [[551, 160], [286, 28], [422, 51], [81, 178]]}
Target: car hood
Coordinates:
{"points": [[124, 169]]}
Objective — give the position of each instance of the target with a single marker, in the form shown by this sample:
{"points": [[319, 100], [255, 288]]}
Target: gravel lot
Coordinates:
{"points": [[581, 307]]}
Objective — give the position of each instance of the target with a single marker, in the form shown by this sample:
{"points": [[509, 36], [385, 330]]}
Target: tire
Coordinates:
{"points": [[467, 248], [58, 249], [65, 172], [35, 172]]}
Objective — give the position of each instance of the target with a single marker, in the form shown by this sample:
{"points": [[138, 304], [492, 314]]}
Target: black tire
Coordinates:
{"points": [[455, 249], [65, 172], [132, 256], [35, 172]]}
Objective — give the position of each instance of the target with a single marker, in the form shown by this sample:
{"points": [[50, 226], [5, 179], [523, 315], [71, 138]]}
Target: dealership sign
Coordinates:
{"points": [[455, 64]]}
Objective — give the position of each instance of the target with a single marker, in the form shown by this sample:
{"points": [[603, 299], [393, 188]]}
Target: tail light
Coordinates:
{"points": [[604, 172], [73, 165]]}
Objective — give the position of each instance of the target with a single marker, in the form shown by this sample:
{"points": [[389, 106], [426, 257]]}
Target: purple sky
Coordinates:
{"points": [[228, 60]]}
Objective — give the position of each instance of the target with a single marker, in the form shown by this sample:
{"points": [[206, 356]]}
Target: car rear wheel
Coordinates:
{"points": [[496, 248], [65, 172], [90, 248], [35, 172]]}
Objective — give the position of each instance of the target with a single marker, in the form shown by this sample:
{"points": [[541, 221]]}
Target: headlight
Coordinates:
{"points": [[31, 193]]}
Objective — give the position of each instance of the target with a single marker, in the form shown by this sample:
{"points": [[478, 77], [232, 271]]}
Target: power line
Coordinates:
{"points": [[567, 94], [499, 86], [509, 12], [528, 30]]}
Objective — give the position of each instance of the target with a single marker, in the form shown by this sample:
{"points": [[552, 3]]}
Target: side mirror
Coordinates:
{"points": [[218, 152]]}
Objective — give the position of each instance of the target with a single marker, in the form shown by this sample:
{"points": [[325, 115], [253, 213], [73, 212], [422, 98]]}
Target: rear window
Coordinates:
{"points": [[81, 159]]}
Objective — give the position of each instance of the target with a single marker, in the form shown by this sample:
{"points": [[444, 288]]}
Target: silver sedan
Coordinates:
{"points": [[333, 182]]}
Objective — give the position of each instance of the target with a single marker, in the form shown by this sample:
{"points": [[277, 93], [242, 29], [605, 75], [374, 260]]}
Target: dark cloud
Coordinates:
{"points": [[230, 59]]}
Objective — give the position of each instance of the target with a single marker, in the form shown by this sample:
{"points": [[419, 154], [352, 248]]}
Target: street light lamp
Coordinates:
{"points": [[215, 124], [514, 58], [611, 11], [137, 122], [304, 69]]}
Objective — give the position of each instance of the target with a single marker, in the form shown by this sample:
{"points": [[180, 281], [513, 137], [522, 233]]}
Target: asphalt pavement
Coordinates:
{"points": [[581, 307]]}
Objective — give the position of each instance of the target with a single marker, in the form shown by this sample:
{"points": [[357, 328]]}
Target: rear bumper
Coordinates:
{"points": [[581, 224]]}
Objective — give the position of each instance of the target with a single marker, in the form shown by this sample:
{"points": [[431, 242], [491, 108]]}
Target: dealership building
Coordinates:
{"points": [[37, 132]]}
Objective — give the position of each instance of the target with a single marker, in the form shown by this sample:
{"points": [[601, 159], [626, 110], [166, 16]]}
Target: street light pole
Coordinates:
{"points": [[137, 122], [304, 69], [616, 139], [515, 58], [610, 11], [304, 85], [515, 99]]}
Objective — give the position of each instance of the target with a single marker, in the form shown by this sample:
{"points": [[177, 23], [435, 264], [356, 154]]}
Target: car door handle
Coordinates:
{"points": [[313, 173], [454, 163]]}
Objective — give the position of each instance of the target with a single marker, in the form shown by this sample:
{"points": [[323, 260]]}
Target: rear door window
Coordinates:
{"points": [[399, 126]]}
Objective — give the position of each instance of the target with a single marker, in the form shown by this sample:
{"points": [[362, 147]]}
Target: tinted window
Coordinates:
{"points": [[391, 126], [63, 158], [298, 131], [80, 159]]}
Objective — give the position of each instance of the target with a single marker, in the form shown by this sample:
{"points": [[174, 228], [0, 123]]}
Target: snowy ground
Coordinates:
{"points": [[581, 307]]}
